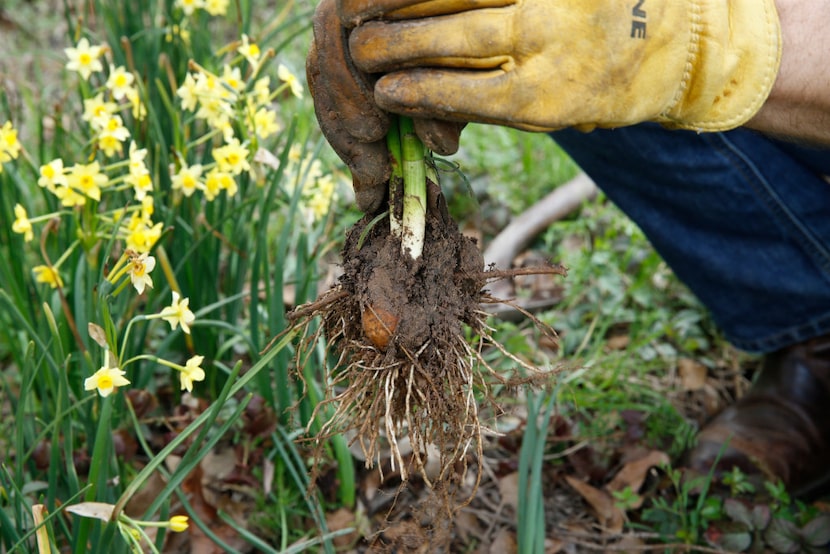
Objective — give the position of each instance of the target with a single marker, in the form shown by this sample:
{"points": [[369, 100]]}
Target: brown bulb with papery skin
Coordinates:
{"points": [[379, 325]]}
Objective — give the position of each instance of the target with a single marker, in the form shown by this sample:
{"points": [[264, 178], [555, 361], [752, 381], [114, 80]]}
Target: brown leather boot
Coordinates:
{"points": [[781, 428]]}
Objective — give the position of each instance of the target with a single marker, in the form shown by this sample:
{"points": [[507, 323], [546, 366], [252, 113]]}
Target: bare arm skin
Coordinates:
{"points": [[799, 105]]}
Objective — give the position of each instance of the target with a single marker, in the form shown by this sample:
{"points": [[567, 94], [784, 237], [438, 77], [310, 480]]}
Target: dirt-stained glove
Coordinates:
{"points": [[547, 64], [349, 118]]}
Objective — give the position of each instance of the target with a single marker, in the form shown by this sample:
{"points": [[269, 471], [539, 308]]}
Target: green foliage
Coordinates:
{"points": [[194, 178], [500, 172], [687, 515], [531, 510]]}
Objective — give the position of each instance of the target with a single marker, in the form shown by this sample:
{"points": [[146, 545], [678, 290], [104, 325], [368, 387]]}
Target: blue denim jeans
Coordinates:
{"points": [[742, 219]]}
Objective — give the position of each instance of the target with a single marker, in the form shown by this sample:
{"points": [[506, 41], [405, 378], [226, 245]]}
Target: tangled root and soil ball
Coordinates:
{"points": [[408, 335]]}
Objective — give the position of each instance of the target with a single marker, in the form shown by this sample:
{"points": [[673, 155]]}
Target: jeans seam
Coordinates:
{"points": [[801, 235], [815, 250]]}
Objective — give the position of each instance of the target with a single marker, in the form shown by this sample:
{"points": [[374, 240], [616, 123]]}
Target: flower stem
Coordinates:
{"points": [[393, 142], [413, 167]]}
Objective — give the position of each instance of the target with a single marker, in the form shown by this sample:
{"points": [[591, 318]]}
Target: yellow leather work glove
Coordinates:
{"points": [[541, 65], [350, 120]]}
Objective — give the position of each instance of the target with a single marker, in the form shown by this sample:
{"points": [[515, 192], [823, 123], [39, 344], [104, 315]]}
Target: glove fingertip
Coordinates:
{"points": [[369, 200]]}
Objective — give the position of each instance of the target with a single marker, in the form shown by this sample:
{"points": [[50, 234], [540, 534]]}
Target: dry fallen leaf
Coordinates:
{"points": [[96, 510], [509, 489], [633, 474], [342, 518], [692, 374], [504, 543], [602, 503]]}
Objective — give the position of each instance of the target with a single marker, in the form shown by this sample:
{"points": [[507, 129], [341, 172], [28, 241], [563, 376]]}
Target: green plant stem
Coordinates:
{"points": [[414, 190], [407, 186], [393, 142], [100, 461]]}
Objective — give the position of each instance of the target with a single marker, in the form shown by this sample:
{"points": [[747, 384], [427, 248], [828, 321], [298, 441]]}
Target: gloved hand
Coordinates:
{"points": [[349, 118], [541, 65]]}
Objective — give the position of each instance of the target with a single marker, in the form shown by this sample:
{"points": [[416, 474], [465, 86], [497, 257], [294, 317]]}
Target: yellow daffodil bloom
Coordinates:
{"points": [[232, 77], [52, 175], [9, 145], [120, 82], [141, 265], [265, 123], [140, 233], [217, 7], [97, 111], [190, 6], [232, 158], [47, 275], [191, 372], [22, 224], [69, 197], [105, 380], [178, 313], [210, 87], [317, 205], [113, 133], [249, 51], [262, 91], [288, 77], [178, 523], [139, 176], [189, 93], [87, 180], [137, 156], [84, 58], [217, 181], [216, 111], [188, 179], [147, 208], [138, 110], [142, 184]]}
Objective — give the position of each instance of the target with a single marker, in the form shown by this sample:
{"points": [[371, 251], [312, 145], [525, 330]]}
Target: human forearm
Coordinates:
{"points": [[799, 104]]}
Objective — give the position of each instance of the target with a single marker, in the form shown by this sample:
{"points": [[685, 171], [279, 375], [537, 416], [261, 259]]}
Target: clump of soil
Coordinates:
{"points": [[408, 335]]}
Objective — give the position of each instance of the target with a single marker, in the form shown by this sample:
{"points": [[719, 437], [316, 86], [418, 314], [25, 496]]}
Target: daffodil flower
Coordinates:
{"points": [[105, 380], [188, 179], [190, 6], [98, 111], [178, 313], [189, 93], [113, 133], [191, 372], [178, 523], [120, 82], [232, 77], [140, 233], [262, 91], [139, 269], [232, 157], [291, 80], [52, 175], [86, 179], [84, 58], [249, 51], [21, 224], [138, 110], [48, 275], [9, 145], [265, 123]]}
